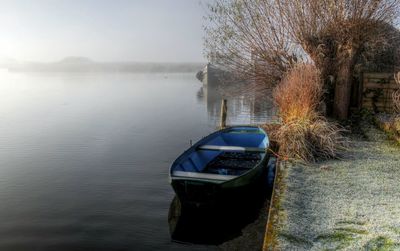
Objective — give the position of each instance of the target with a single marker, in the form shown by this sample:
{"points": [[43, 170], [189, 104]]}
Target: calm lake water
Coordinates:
{"points": [[84, 158]]}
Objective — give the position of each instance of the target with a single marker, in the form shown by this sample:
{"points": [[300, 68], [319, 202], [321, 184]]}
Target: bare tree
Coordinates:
{"points": [[333, 33], [245, 38]]}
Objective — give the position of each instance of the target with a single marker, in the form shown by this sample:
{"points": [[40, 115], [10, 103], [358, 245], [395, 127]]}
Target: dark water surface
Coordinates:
{"points": [[84, 158]]}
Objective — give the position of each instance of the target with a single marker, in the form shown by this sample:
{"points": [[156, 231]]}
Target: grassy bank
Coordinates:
{"points": [[350, 204]]}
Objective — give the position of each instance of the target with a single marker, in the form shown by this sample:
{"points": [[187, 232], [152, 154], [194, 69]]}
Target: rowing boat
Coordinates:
{"points": [[223, 164]]}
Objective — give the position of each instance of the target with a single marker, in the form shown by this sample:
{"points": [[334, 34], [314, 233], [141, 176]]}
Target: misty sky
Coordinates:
{"points": [[103, 30]]}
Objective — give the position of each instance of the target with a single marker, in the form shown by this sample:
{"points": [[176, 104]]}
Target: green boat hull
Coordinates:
{"points": [[201, 192]]}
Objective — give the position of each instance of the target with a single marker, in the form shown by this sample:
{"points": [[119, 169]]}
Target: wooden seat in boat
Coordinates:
{"points": [[209, 176]]}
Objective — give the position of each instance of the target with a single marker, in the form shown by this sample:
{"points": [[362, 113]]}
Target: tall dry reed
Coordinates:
{"points": [[304, 133], [299, 93]]}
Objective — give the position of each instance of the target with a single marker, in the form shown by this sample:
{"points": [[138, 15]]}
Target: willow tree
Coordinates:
{"points": [[261, 39]]}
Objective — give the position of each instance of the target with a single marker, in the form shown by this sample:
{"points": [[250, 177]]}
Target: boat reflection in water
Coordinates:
{"points": [[213, 225]]}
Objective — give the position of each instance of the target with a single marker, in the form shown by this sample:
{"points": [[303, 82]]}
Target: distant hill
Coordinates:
{"points": [[83, 64], [76, 60]]}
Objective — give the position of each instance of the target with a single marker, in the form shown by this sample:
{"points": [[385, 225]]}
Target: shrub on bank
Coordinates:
{"points": [[304, 133]]}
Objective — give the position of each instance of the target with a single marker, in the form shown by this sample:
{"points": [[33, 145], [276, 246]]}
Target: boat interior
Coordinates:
{"points": [[223, 155]]}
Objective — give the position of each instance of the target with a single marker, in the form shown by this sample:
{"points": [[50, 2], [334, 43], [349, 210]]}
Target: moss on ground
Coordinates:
{"points": [[340, 237], [351, 230], [351, 222], [336, 240], [294, 239], [381, 243]]}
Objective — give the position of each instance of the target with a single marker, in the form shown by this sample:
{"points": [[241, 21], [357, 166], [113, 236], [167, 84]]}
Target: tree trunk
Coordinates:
{"points": [[336, 62], [343, 89], [325, 60]]}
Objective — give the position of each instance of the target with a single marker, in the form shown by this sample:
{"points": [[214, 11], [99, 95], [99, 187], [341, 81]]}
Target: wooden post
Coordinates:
{"points": [[223, 114]]}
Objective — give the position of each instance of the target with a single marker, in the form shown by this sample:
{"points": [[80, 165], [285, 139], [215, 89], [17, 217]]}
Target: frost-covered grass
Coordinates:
{"points": [[350, 204]]}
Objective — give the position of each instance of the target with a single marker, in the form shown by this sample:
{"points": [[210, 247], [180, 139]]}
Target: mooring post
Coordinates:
{"points": [[223, 114]]}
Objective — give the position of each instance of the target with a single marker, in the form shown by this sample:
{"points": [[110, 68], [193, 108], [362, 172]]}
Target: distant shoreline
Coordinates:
{"points": [[79, 64]]}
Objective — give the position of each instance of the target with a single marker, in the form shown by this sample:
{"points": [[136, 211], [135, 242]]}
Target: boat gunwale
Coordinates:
{"points": [[205, 180]]}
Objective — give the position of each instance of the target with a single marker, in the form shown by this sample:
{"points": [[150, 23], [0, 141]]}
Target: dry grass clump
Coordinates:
{"points": [[310, 139], [389, 124], [304, 134]]}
